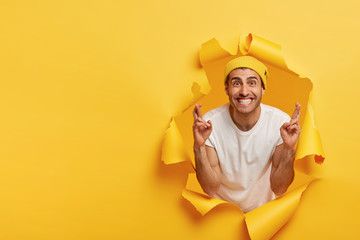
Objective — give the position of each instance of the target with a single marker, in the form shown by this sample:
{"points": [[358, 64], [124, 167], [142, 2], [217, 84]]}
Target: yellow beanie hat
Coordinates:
{"points": [[248, 62]]}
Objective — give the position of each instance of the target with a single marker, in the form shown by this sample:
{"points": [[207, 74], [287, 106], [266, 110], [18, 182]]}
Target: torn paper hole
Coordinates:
{"points": [[285, 87]]}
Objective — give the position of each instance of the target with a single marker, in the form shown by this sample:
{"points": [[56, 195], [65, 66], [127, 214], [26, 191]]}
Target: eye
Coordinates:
{"points": [[236, 83], [252, 83]]}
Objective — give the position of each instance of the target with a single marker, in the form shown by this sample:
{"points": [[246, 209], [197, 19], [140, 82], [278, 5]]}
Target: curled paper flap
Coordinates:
{"points": [[309, 141], [173, 148], [263, 50], [212, 51], [263, 222], [308, 147], [194, 194], [202, 202]]}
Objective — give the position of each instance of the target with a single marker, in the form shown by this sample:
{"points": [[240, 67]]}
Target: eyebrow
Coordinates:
{"points": [[249, 78]]}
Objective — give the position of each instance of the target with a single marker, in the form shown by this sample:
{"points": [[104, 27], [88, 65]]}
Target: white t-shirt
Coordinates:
{"points": [[245, 157]]}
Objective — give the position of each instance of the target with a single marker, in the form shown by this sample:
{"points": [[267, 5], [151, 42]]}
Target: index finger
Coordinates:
{"points": [[296, 114], [197, 111]]}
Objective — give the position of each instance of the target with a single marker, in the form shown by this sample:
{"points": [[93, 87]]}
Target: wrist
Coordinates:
{"points": [[197, 148], [289, 151], [290, 148]]}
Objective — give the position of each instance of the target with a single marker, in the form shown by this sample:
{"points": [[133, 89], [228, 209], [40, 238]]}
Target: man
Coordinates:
{"points": [[244, 150]]}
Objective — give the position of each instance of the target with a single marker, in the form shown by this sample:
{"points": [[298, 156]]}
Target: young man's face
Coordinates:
{"points": [[244, 90]]}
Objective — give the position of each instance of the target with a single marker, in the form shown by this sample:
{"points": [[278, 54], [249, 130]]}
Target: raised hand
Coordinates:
{"points": [[290, 131], [201, 128]]}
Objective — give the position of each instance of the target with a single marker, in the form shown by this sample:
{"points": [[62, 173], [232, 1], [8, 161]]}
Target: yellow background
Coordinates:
{"points": [[88, 88]]}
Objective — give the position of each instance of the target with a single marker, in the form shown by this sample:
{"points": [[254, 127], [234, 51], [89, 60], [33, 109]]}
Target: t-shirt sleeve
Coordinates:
{"points": [[209, 143]]}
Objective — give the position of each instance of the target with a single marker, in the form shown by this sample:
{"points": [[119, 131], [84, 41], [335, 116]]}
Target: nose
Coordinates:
{"points": [[244, 91]]}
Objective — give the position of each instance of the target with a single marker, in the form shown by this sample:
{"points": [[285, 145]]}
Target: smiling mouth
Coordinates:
{"points": [[244, 101]]}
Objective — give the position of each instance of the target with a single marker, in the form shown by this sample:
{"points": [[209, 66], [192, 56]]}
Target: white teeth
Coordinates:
{"points": [[244, 101]]}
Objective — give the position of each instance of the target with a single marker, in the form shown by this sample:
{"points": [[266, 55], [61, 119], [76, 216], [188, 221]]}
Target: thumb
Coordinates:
{"points": [[285, 125]]}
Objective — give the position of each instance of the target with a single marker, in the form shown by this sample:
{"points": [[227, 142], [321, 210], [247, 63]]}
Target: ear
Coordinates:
{"points": [[227, 89], [262, 91]]}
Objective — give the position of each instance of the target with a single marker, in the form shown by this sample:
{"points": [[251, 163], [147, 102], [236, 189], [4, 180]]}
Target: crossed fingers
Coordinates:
{"points": [[296, 115], [197, 111], [198, 120], [294, 122]]}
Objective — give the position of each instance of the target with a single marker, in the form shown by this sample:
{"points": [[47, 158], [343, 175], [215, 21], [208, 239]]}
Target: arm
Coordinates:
{"points": [[282, 171], [206, 159]]}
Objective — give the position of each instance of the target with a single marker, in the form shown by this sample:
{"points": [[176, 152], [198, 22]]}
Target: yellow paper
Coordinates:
{"points": [[263, 222], [173, 149], [309, 141], [263, 49], [194, 193]]}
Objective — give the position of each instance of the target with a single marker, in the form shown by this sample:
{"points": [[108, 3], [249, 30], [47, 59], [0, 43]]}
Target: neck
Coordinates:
{"points": [[245, 121]]}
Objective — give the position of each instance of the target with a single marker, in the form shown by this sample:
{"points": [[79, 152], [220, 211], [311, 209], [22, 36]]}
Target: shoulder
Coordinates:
{"points": [[274, 113], [218, 112]]}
